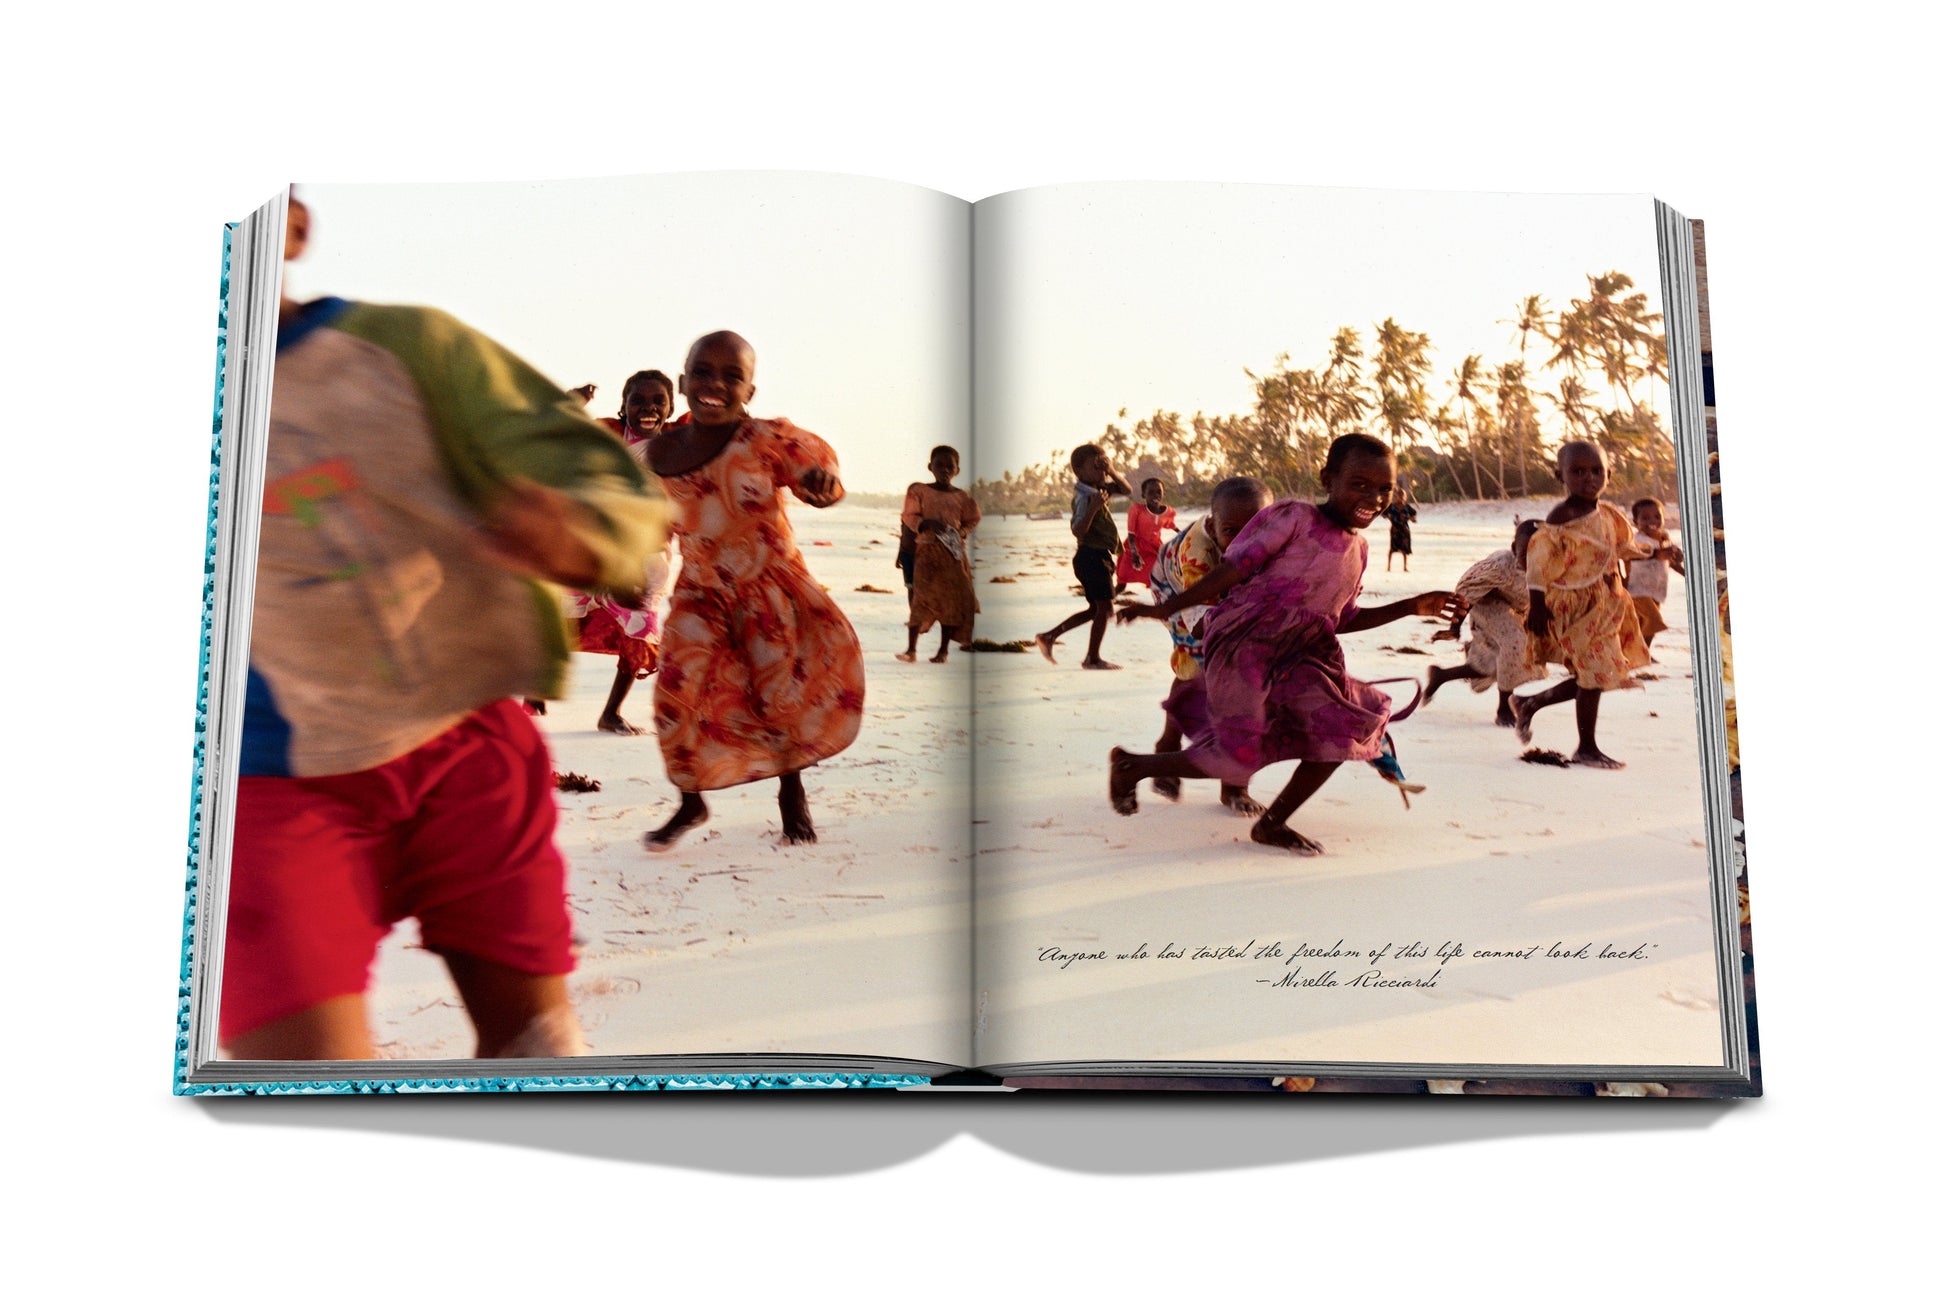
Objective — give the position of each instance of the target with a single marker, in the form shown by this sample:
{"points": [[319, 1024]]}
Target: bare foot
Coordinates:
{"points": [[906, 657], [616, 725], [1240, 800], [1045, 645], [1597, 758], [534, 706], [1121, 783], [1167, 787], [1433, 681], [688, 815], [796, 810], [937, 657], [1504, 718], [1100, 664], [1285, 837], [1523, 720]]}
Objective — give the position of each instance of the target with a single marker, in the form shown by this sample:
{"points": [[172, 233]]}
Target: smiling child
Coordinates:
{"points": [[1275, 687], [761, 674]]}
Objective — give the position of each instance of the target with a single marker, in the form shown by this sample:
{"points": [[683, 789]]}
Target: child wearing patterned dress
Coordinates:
{"points": [[940, 518], [1578, 611], [1183, 562], [1275, 687], [761, 675], [626, 626], [1146, 524], [1495, 590]]}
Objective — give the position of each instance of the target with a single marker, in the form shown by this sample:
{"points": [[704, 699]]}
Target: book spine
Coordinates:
{"points": [[200, 746]]}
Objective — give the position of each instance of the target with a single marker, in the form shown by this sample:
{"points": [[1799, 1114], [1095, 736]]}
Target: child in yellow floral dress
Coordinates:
{"points": [[1578, 610], [760, 674]]}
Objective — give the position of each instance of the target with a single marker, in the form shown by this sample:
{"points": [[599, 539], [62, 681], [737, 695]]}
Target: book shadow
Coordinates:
{"points": [[810, 1135]]}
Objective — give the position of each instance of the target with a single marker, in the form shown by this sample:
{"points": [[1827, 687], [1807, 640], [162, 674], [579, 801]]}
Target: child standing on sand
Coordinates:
{"points": [[1146, 523], [1274, 680], [1096, 543], [761, 674], [1183, 562], [1648, 578], [941, 518], [1578, 611], [1495, 590], [1401, 515]]}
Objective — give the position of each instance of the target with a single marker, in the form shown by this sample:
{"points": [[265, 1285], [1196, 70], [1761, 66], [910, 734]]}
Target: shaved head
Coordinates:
{"points": [[723, 338]]}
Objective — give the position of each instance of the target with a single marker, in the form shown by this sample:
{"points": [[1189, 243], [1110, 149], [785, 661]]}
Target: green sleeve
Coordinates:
{"points": [[497, 418]]}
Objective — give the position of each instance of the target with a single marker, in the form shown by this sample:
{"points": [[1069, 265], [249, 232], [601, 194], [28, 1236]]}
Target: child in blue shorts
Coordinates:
{"points": [[1096, 543]]}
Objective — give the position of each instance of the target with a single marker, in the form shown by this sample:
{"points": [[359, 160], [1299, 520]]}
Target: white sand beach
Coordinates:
{"points": [[734, 943]]}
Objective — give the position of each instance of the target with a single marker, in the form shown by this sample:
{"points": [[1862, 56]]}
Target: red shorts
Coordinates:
{"points": [[458, 832]]}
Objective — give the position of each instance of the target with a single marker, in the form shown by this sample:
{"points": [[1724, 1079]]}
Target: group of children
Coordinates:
{"points": [[1584, 589], [1256, 595], [422, 483]]}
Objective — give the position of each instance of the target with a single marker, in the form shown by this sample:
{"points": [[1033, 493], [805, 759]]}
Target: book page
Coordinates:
{"points": [[853, 297], [1488, 901]]}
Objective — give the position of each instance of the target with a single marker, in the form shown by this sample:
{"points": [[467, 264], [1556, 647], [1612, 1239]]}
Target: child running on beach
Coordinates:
{"points": [[761, 674], [1184, 561], [1401, 515], [417, 478], [1495, 590], [1096, 545], [1578, 611], [1274, 685], [1648, 578], [1146, 524], [626, 626], [941, 518]]}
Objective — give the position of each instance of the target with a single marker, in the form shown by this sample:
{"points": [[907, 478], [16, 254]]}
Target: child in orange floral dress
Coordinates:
{"points": [[760, 674], [1578, 611]]}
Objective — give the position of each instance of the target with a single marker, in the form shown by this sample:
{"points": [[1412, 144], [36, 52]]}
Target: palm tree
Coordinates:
{"points": [[1572, 402], [1403, 406], [1530, 318], [1474, 419], [1341, 404], [1520, 421]]}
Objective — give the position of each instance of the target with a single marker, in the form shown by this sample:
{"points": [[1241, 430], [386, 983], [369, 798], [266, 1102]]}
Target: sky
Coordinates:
{"points": [[1103, 296], [851, 290], [859, 298]]}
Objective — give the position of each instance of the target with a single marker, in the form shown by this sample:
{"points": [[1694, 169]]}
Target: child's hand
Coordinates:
{"points": [[1536, 617], [819, 488], [1136, 610], [1440, 603]]}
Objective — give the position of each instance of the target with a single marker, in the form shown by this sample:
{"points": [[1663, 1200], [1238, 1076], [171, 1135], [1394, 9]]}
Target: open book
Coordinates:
{"points": [[970, 889]]}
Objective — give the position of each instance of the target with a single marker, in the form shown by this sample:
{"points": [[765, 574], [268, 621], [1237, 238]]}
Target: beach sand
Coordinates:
{"points": [[859, 944]]}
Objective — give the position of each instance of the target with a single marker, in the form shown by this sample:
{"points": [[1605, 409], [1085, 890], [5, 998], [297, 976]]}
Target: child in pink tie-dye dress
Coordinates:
{"points": [[1274, 677]]}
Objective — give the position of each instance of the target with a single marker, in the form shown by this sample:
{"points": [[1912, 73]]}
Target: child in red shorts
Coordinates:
{"points": [[418, 478]]}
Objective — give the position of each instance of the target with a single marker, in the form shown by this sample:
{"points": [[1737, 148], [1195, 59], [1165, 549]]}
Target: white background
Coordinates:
{"points": [[1804, 145]]}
